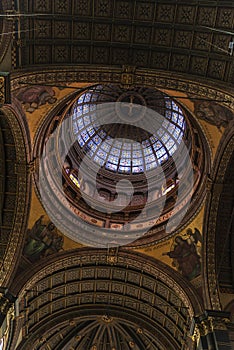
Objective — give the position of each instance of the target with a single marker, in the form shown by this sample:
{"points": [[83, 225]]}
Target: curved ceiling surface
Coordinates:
{"points": [[167, 35], [135, 150]]}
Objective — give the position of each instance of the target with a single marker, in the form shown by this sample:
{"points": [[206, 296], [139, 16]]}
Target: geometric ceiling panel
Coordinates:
{"points": [[158, 35], [118, 305]]}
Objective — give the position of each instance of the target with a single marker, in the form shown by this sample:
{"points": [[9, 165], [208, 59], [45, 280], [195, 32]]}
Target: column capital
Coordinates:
{"points": [[209, 322]]}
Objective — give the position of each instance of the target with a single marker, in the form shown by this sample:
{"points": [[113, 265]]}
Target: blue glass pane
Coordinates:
{"points": [[111, 166], [136, 145], [117, 144], [80, 99], [157, 145], [171, 128], [80, 123], [165, 138], [160, 132], [165, 123], [127, 146], [115, 151], [137, 154], [85, 109], [150, 159], [90, 130], [92, 145], [125, 162], [86, 120], [174, 117], [94, 97], [97, 139], [80, 140], [105, 147], [180, 120], [145, 143], [176, 132], [170, 143], [168, 103], [148, 151], [150, 166], [113, 159], [102, 134], [138, 169], [87, 97], [160, 152], [75, 128], [99, 160], [168, 114], [123, 169], [126, 154], [109, 140], [153, 139], [85, 135], [102, 154], [136, 162], [92, 107], [174, 106]]}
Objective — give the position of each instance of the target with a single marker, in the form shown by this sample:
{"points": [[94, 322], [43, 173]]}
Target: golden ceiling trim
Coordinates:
{"points": [[20, 217], [92, 74], [210, 284], [83, 278], [87, 256]]}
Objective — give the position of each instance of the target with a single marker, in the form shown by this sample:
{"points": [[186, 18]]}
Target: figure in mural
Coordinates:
{"points": [[213, 113], [186, 255], [43, 240], [35, 96]]}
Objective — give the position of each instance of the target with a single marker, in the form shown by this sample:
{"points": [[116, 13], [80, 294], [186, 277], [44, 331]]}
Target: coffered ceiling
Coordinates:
{"points": [[164, 35]]}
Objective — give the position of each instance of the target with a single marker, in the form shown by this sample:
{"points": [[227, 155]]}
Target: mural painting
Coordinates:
{"points": [[213, 113], [186, 254], [43, 240], [35, 96]]}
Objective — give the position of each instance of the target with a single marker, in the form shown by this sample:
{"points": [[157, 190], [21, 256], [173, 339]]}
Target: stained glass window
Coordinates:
{"points": [[121, 156]]}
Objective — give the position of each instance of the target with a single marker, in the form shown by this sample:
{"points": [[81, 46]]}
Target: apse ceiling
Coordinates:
{"points": [[164, 35]]}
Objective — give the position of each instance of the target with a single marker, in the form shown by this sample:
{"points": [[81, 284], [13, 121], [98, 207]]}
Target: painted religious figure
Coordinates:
{"points": [[43, 240], [186, 254], [35, 96], [213, 113]]}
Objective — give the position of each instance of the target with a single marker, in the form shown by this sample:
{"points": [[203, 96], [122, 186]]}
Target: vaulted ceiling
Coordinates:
{"points": [[190, 39], [162, 35]]}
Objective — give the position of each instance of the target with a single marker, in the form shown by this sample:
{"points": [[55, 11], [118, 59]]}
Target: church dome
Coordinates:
{"points": [[131, 160], [135, 150]]}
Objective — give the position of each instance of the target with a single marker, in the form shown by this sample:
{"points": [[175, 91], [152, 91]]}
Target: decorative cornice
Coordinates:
{"points": [[16, 238], [210, 286]]}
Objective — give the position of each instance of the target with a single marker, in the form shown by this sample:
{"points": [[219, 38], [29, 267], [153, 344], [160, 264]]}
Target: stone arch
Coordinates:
{"points": [[91, 281], [17, 189], [222, 165]]}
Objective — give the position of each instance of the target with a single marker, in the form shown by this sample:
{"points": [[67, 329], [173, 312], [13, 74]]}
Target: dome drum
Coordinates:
{"points": [[150, 187]]}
